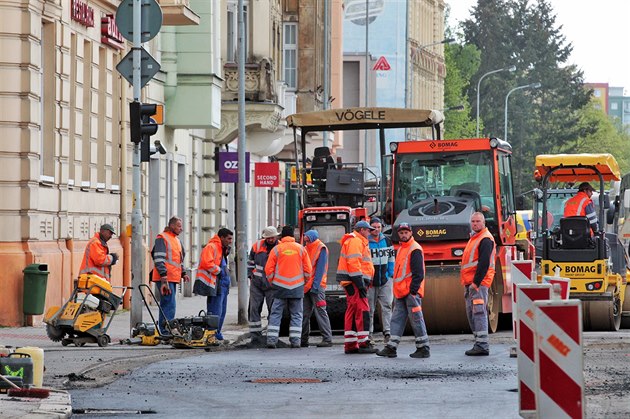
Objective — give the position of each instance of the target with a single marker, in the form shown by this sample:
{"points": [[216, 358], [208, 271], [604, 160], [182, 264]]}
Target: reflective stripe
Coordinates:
{"points": [[416, 309], [353, 255], [477, 301], [581, 205]]}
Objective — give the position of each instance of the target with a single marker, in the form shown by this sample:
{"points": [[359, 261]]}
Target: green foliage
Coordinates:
{"points": [[462, 62]]}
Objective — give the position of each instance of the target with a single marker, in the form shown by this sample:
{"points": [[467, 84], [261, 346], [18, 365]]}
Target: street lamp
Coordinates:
{"points": [[510, 68], [505, 119], [414, 52]]}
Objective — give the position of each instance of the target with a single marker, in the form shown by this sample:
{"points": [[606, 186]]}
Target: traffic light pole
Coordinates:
{"points": [[137, 260]]}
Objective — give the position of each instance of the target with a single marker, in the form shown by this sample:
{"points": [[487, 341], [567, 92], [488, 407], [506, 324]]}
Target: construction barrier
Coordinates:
{"points": [[521, 273], [559, 359], [526, 295], [564, 285]]}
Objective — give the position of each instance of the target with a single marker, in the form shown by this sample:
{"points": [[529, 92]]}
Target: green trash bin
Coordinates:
{"points": [[35, 280]]}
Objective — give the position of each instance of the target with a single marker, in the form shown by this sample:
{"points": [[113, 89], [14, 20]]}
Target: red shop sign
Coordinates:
{"points": [[82, 13], [267, 175], [110, 34]]}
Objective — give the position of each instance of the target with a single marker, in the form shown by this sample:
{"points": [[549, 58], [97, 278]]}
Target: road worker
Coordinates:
{"points": [[315, 291], [354, 273], [581, 205], [168, 256], [97, 259], [380, 290], [259, 291], [408, 293], [288, 270], [213, 267], [477, 274]]}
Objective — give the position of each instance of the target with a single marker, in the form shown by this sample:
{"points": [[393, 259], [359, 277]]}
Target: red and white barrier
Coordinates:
{"points": [[563, 283], [526, 294], [559, 361], [521, 273]]}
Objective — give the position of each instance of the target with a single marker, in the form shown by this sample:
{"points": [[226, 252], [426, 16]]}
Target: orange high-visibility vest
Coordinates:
{"points": [[471, 258], [288, 267], [576, 205], [314, 249], [172, 258], [96, 259], [210, 262], [355, 259], [402, 269]]}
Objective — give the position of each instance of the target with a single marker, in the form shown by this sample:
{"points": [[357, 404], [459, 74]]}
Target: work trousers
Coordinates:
{"points": [[217, 305], [258, 296], [275, 318], [356, 321], [168, 305], [477, 312], [383, 295], [408, 307], [316, 301]]}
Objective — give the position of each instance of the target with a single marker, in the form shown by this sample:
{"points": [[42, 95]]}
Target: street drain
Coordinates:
{"points": [[113, 412], [422, 375], [285, 380]]}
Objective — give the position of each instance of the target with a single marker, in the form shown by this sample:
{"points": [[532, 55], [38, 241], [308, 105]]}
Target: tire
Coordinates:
{"points": [[102, 340]]}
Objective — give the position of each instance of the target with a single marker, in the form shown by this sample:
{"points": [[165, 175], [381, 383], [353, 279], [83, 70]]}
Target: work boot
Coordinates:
{"points": [[421, 353], [324, 344], [271, 345], [351, 351], [297, 345], [386, 338], [304, 344], [477, 351], [367, 349], [388, 352]]}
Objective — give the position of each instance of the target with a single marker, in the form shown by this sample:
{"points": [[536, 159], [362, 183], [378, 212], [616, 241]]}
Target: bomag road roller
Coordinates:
{"points": [[594, 261]]}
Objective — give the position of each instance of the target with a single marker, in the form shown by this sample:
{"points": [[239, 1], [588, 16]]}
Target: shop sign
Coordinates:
{"points": [[228, 167], [267, 175], [110, 35], [82, 13]]}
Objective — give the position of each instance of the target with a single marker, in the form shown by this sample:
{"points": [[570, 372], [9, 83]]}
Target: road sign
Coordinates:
{"points": [[150, 24], [148, 67]]}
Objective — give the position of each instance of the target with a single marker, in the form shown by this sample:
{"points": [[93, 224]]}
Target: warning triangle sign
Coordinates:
{"points": [[381, 65]]}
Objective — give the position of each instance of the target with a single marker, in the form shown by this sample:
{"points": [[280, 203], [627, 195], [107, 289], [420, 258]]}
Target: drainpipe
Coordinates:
{"points": [[125, 234]]}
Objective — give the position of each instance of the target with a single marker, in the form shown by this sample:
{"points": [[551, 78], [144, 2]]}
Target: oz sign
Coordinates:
{"points": [[228, 167]]}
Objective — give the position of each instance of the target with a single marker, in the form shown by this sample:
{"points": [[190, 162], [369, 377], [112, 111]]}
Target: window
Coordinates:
{"points": [[290, 55], [47, 103], [232, 30], [613, 106], [597, 93]]}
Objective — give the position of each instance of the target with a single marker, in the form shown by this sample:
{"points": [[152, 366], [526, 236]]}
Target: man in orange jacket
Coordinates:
{"points": [[214, 272], [581, 205], [97, 259], [168, 256], [477, 274], [354, 273], [408, 293], [315, 291], [288, 269]]}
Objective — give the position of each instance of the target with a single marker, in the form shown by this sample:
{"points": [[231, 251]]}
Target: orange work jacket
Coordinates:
{"points": [[210, 263], [355, 259], [172, 258], [288, 268], [471, 258], [96, 259], [314, 249], [576, 205], [402, 269]]}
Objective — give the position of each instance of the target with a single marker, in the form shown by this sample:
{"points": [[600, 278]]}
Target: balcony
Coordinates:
{"points": [[259, 82], [178, 13]]}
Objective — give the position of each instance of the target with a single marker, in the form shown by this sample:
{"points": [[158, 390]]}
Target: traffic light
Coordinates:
{"points": [[142, 126]]}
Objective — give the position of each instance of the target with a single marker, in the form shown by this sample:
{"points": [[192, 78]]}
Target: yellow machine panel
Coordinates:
{"points": [[88, 320]]}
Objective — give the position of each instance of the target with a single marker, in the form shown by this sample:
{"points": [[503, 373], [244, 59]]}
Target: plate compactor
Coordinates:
{"points": [[182, 333], [87, 314]]}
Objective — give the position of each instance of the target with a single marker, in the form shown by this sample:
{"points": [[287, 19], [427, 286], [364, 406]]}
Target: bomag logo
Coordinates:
{"points": [[580, 269], [432, 232], [444, 144], [289, 252]]}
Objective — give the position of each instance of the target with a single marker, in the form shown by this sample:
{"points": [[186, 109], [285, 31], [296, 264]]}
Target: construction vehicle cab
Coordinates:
{"points": [[333, 195], [596, 262]]}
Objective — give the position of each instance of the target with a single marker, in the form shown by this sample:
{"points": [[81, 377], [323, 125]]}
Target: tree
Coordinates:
{"points": [[462, 62]]}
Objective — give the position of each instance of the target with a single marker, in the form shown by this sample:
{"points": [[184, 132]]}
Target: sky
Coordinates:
{"points": [[597, 30]]}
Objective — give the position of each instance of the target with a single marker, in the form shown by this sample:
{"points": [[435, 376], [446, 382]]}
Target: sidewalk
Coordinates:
{"points": [[59, 403]]}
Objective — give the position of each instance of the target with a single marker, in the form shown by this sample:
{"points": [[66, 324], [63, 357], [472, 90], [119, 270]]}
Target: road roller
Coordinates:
{"points": [[594, 260]]}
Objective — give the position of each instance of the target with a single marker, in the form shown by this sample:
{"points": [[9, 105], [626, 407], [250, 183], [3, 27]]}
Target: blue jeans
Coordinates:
{"points": [[217, 305], [167, 302]]}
